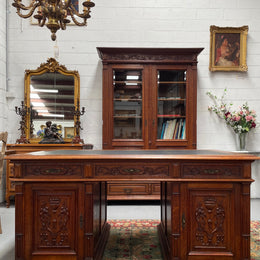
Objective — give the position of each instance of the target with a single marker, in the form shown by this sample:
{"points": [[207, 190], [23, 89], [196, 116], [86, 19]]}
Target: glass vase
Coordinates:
{"points": [[242, 141]]}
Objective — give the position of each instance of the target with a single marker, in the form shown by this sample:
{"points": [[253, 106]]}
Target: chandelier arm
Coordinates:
{"points": [[81, 15], [23, 7], [41, 22], [29, 14], [78, 23], [62, 25]]}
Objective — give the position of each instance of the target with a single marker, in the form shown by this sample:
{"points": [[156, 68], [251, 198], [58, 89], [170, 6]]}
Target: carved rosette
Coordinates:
{"points": [[210, 216], [54, 222]]}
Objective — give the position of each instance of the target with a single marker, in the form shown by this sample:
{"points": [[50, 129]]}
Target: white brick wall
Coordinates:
{"points": [[142, 23], [2, 62], [2, 79]]}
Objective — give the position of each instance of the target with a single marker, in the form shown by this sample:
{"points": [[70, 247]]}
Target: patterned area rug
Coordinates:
{"points": [[255, 240], [132, 240], [138, 240]]}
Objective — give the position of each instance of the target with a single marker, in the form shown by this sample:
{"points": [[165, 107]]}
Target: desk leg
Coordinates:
{"points": [[19, 222], [96, 227], [245, 222], [169, 228]]}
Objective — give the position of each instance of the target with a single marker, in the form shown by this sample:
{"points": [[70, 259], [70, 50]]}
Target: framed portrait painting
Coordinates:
{"points": [[228, 48]]}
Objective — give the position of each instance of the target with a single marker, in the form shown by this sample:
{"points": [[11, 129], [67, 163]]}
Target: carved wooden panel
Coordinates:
{"points": [[136, 170], [209, 220], [55, 220], [137, 55], [220, 170], [59, 170], [11, 169]]}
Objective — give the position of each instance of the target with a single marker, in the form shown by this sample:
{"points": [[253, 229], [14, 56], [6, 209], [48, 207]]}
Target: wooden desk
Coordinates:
{"points": [[61, 202]]}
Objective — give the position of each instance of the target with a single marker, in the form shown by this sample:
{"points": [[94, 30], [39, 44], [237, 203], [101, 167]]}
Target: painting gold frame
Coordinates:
{"points": [[228, 47]]}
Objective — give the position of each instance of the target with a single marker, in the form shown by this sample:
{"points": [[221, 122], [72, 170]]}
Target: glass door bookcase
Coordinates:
{"points": [[171, 104], [173, 121], [149, 98], [127, 104]]}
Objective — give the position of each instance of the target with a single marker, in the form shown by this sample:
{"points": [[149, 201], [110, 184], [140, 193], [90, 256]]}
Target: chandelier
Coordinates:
{"points": [[55, 13]]}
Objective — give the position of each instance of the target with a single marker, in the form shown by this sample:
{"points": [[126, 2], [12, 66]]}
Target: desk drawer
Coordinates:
{"points": [[128, 189], [132, 169], [133, 190], [211, 171]]}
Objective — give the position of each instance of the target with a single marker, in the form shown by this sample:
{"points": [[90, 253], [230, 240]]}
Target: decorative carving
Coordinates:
{"points": [[51, 65], [77, 113], [22, 111], [144, 57], [131, 170], [212, 171], [51, 134], [210, 216], [48, 170], [54, 222]]}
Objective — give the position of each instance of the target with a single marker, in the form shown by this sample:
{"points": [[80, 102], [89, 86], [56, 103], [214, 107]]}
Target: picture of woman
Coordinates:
{"points": [[227, 49]]}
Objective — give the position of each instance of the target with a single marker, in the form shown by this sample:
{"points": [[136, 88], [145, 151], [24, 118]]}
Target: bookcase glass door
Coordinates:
{"points": [[127, 104], [171, 104]]}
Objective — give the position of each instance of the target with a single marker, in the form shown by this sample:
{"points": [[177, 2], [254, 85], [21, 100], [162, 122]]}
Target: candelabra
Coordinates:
{"points": [[33, 114], [22, 111], [56, 12], [78, 113]]}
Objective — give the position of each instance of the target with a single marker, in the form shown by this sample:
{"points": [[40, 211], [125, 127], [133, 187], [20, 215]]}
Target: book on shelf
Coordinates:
{"points": [[183, 135], [173, 129], [163, 129], [169, 129]]}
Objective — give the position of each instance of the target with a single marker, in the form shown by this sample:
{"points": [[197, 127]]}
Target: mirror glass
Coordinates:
{"points": [[52, 95]]}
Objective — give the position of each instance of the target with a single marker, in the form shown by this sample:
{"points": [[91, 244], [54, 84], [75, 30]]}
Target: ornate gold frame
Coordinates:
{"points": [[50, 66], [242, 31]]}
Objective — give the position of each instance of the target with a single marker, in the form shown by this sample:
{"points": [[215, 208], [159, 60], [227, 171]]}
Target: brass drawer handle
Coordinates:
{"points": [[81, 222], [211, 171], [183, 220], [128, 191], [131, 170]]}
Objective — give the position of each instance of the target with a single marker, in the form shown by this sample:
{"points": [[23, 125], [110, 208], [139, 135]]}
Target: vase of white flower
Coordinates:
{"points": [[241, 120], [242, 141]]}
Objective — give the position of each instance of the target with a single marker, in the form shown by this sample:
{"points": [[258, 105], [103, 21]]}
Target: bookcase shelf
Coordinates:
{"points": [[127, 116], [127, 99], [171, 82], [170, 116]]}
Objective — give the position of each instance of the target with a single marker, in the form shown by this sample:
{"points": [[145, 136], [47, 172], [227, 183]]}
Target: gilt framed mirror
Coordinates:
{"points": [[52, 93]]}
